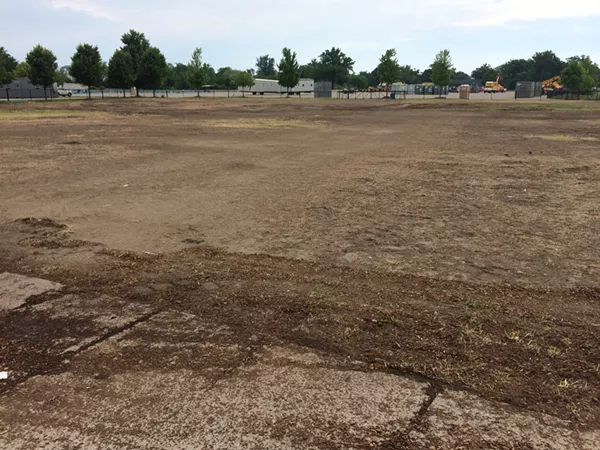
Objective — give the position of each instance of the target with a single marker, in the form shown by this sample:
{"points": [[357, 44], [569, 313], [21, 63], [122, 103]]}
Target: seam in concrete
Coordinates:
{"points": [[112, 333], [57, 368]]}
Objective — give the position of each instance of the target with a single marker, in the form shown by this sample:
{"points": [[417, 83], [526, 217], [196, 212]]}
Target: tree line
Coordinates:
{"points": [[138, 64]]}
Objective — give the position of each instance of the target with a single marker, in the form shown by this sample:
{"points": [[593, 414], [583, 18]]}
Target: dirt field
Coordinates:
{"points": [[453, 242]]}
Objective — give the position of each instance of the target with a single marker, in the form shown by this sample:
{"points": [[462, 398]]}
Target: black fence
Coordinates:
{"points": [[574, 95]]}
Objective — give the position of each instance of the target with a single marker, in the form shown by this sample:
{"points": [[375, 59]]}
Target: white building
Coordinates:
{"points": [[263, 86]]}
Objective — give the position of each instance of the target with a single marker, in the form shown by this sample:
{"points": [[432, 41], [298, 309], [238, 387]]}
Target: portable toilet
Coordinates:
{"points": [[464, 91]]}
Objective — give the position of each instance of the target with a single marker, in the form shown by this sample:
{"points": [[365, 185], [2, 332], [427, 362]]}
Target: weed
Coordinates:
{"points": [[473, 304], [554, 351], [566, 383], [514, 336]]}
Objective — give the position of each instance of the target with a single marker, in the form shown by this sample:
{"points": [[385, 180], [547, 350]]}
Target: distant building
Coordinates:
{"points": [[22, 88]]}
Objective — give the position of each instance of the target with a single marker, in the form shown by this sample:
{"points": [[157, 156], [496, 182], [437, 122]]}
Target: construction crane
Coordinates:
{"points": [[552, 84]]}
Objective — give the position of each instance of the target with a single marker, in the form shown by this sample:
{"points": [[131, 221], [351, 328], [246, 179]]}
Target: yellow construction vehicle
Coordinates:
{"points": [[552, 84], [493, 86]]}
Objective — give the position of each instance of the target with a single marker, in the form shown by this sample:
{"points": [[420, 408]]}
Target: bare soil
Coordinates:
{"points": [[452, 243]]}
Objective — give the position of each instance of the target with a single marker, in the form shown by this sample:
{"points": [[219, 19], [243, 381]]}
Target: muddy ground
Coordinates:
{"points": [[454, 245]]}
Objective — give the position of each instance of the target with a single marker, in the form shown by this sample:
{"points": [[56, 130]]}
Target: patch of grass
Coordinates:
{"points": [[514, 336], [39, 113], [566, 383], [554, 351], [560, 137], [250, 124], [474, 304]]}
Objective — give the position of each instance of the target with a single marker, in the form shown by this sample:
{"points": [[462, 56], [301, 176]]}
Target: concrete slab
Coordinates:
{"points": [[194, 388], [39, 338], [99, 316], [462, 420], [15, 289]]}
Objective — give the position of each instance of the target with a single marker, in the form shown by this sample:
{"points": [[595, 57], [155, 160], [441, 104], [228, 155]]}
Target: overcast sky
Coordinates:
{"points": [[233, 32]]}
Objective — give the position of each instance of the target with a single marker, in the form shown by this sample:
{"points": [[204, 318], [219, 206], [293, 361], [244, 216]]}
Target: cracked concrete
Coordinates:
{"points": [[16, 289], [127, 376]]}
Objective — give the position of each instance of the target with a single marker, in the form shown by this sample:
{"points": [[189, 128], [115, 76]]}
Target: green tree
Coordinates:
{"points": [[42, 67], [484, 73], [388, 68], [136, 44], [196, 71], [358, 81], [425, 77], [576, 77], [61, 78], [460, 78], [372, 77], [243, 79], [224, 78], [176, 77], [334, 66], [409, 75], [442, 69], [7, 61], [589, 65], [22, 70], [209, 74], [311, 70], [152, 69], [265, 66], [120, 70], [6, 77], [515, 70], [86, 66], [289, 70], [545, 65]]}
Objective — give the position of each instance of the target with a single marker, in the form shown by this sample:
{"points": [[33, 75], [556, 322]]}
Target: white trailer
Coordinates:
{"points": [[262, 86]]}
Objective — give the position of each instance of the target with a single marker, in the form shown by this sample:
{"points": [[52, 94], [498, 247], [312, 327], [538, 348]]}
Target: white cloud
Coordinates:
{"points": [[266, 17], [93, 8]]}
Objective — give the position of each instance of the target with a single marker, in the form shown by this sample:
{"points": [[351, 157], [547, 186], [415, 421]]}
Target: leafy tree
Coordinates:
{"points": [[42, 67], [515, 70], [86, 66], [372, 77], [442, 69], [265, 66], [311, 70], [6, 77], [388, 68], [576, 76], [484, 73], [209, 74], [545, 65], [7, 61], [176, 77], [152, 69], [120, 70], [104, 73], [224, 78], [409, 75], [589, 65], [22, 70], [460, 78], [289, 70], [243, 79], [426, 76], [136, 44], [196, 71], [61, 78], [334, 66], [358, 81]]}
